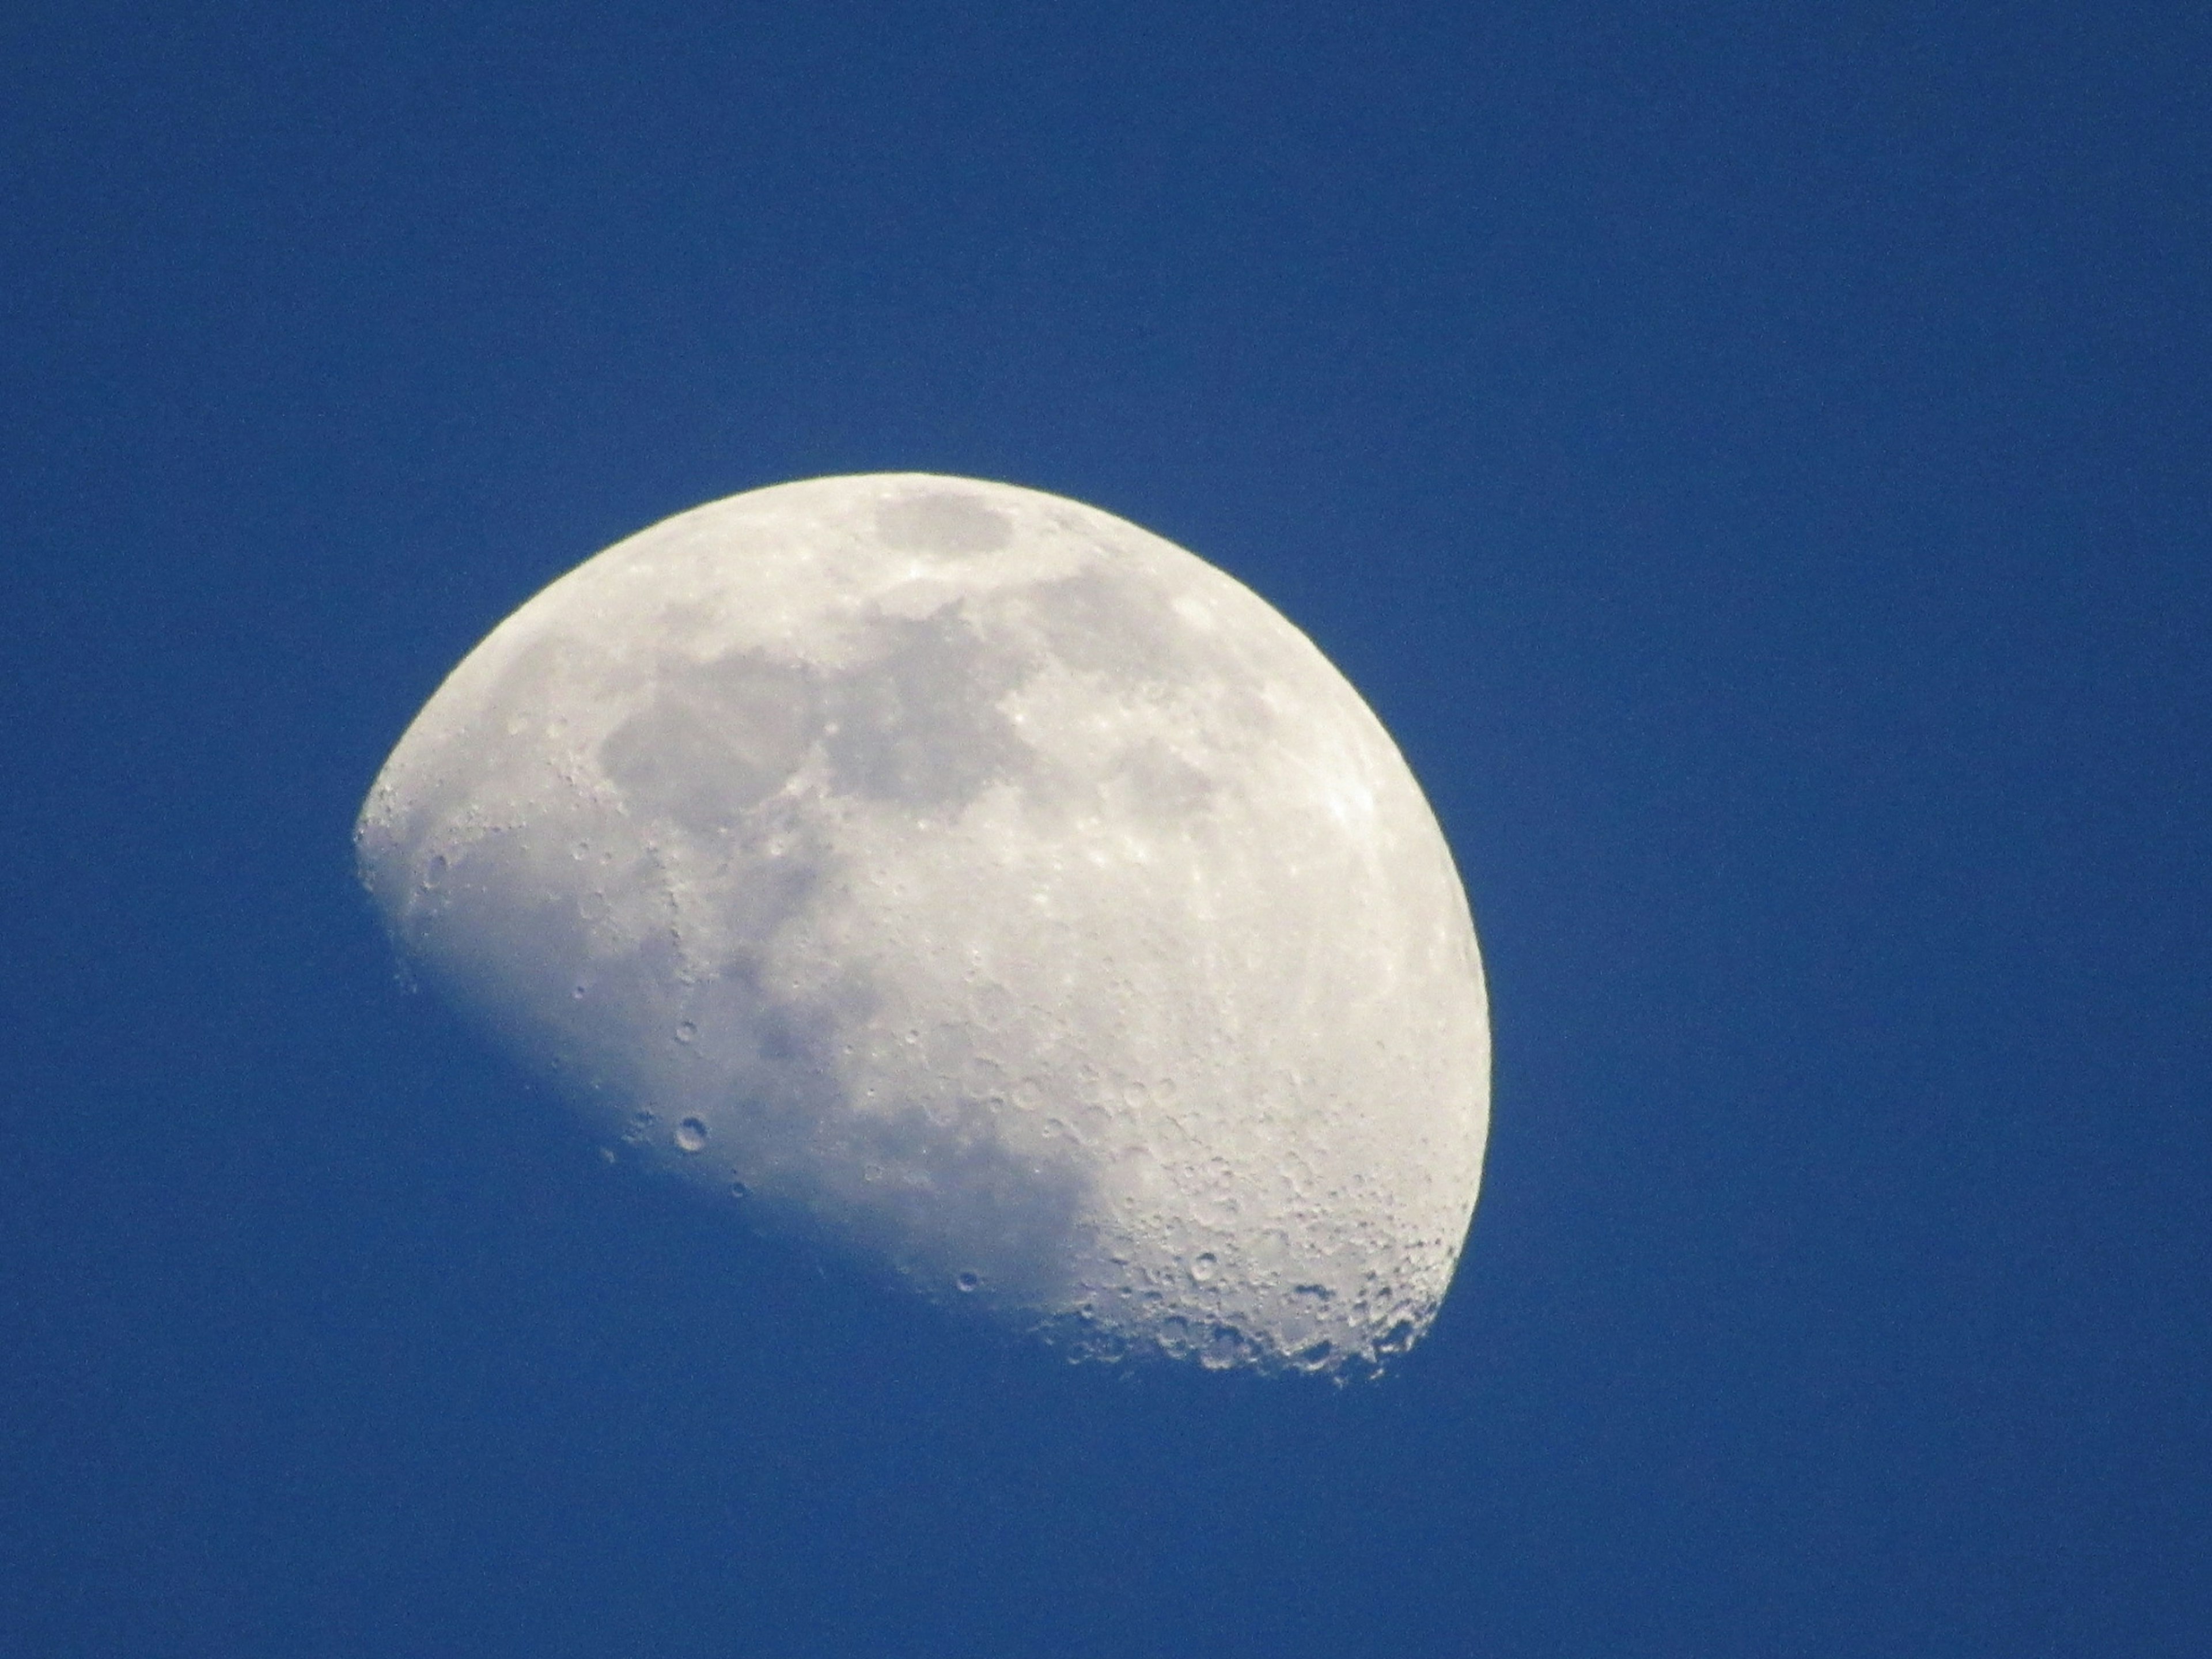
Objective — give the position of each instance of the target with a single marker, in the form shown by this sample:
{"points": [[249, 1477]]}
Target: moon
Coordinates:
{"points": [[980, 885]]}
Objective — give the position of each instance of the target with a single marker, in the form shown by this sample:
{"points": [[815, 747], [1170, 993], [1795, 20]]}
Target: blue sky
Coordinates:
{"points": [[1751, 456]]}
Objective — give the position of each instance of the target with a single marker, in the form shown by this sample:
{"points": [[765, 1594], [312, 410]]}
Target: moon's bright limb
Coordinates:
{"points": [[969, 877]]}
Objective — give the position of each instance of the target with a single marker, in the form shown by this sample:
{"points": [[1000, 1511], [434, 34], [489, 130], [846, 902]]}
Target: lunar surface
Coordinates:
{"points": [[977, 883]]}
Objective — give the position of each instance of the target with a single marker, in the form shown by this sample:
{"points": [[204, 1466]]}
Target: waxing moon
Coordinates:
{"points": [[969, 880]]}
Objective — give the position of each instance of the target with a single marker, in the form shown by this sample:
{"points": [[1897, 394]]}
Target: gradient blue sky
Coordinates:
{"points": [[1754, 457]]}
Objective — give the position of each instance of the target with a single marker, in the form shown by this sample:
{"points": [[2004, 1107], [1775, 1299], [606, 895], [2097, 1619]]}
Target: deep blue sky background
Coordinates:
{"points": [[1754, 457]]}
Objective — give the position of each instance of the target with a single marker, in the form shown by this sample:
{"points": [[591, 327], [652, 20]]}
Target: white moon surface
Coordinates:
{"points": [[968, 879]]}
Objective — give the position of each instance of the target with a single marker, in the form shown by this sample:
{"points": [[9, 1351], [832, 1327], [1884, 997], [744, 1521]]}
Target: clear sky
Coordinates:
{"points": [[1751, 456]]}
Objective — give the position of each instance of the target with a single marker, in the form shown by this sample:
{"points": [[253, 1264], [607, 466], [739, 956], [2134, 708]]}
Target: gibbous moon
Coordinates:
{"points": [[969, 880]]}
